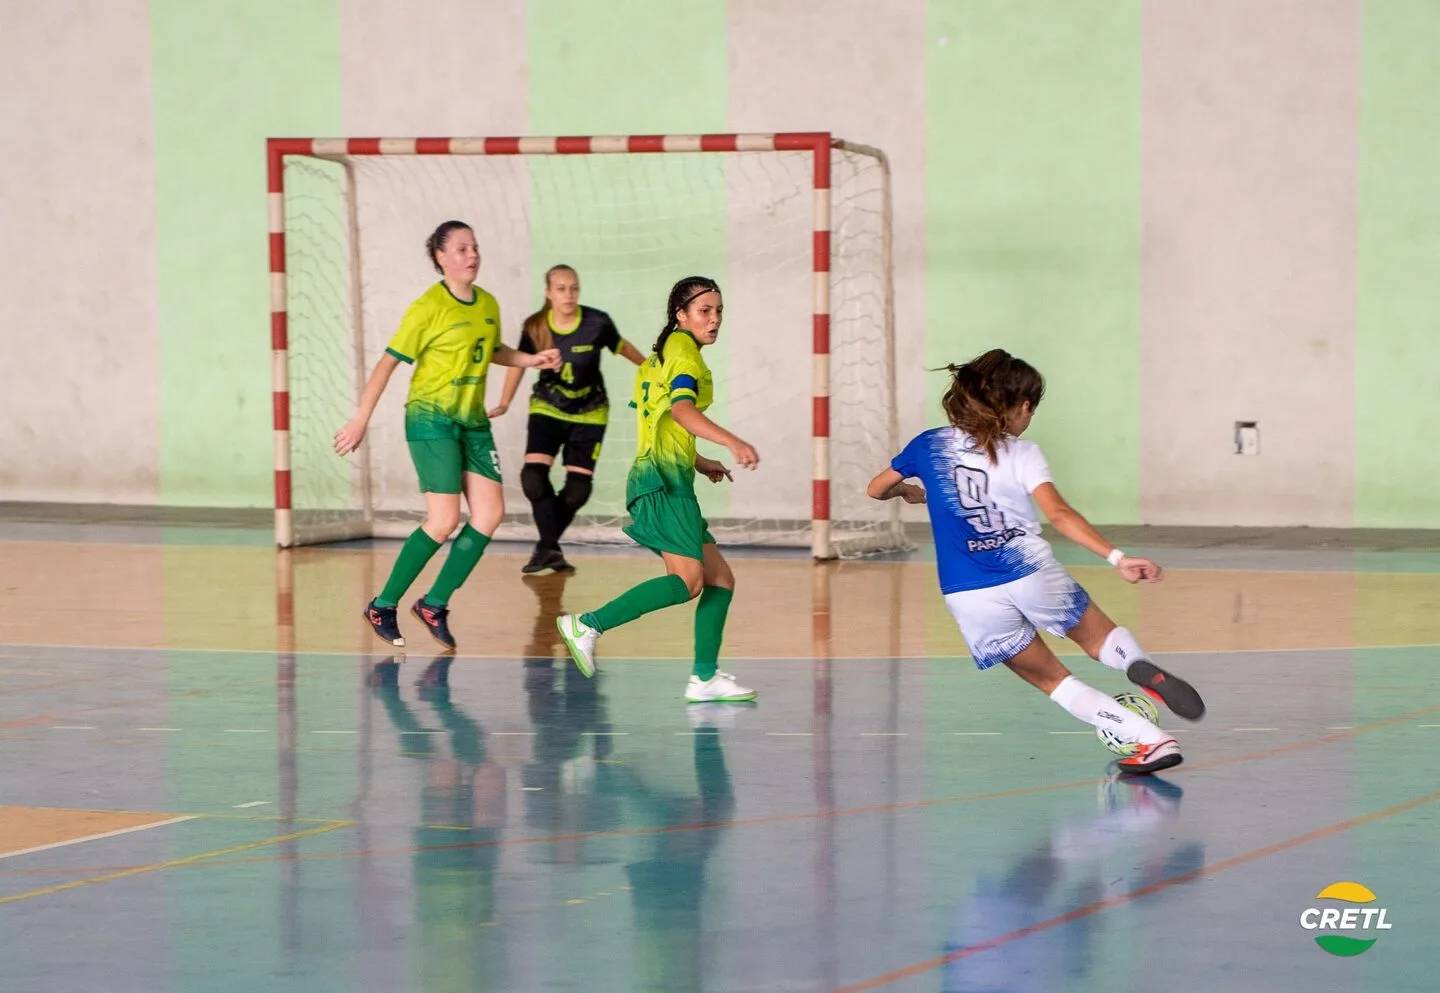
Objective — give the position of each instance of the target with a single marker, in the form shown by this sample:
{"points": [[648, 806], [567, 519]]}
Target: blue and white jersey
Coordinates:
{"points": [[986, 530]]}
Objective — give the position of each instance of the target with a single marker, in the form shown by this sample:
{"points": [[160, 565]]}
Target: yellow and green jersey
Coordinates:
{"points": [[451, 343], [666, 456]]}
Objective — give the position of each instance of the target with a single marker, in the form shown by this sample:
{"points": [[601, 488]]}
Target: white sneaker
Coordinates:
{"points": [[720, 688], [580, 638]]}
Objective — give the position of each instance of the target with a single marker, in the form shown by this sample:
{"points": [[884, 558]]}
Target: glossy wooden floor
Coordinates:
{"points": [[215, 779]]}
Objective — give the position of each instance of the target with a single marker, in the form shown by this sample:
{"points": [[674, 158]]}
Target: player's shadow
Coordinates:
{"points": [[1020, 928], [668, 882], [455, 842]]}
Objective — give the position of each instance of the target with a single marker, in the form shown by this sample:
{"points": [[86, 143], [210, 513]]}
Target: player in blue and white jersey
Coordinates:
{"points": [[998, 575]]}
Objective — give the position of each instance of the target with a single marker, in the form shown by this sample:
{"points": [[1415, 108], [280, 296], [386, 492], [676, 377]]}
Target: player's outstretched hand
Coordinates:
{"points": [[497, 411], [745, 456], [548, 359], [1135, 570], [712, 470], [912, 493], [348, 438]]}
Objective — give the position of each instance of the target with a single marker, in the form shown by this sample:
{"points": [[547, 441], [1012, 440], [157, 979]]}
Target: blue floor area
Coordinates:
{"points": [[433, 824]]}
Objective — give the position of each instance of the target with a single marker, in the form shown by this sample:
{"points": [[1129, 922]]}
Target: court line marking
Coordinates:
{"points": [[252, 803], [159, 729], [96, 837], [175, 863], [1120, 899], [72, 727], [813, 815]]}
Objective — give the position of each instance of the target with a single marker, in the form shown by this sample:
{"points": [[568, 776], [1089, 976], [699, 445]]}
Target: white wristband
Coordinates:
{"points": [[1115, 556]]}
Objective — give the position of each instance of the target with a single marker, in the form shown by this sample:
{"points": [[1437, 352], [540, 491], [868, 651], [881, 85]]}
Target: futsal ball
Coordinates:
{"points": [[1140, 704]]}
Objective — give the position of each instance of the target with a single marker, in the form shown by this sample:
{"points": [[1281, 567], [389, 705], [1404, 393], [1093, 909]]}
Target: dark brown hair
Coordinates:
{"points": [[985, 390], [681, 294], [436, 242], [537, 325]]}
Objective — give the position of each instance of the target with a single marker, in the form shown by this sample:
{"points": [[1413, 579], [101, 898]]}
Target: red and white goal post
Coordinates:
{"points": [[796, 227]]}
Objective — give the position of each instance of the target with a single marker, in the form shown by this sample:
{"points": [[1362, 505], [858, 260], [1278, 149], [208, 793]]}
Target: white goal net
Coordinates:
{"points": [[631, 225]]}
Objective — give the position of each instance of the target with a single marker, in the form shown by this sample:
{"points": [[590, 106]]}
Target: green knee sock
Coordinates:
{"points": [[653, 594], [418, 549], [464, 555], [710, 629]]}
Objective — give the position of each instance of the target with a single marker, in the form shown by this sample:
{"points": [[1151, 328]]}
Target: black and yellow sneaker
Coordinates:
{"points": [[385, 624], [436, 619]]}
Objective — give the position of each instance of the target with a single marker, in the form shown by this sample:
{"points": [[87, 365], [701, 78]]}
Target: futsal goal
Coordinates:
{"points": [[796, 228]]}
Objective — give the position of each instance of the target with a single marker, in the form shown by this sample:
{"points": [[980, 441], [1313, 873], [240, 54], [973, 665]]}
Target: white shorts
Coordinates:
{"points": [[999, 622]]}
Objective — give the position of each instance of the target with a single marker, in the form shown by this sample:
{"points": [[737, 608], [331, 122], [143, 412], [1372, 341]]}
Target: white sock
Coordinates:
{"points": [[1120, 649], [1101, 711]]}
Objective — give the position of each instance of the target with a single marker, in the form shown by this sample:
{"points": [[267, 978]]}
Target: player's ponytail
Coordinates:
{"points": [[537, 325], [681, 294], [435, 244], [985, 390]]}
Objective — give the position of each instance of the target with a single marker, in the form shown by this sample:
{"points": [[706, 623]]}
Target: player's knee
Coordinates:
{"points": [[535, 481], [576, 490], [694, 584], [722, 577], [440, 524]]}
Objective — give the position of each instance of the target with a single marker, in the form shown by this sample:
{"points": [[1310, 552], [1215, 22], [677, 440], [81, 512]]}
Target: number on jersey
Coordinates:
{"points": [[973, 487]]}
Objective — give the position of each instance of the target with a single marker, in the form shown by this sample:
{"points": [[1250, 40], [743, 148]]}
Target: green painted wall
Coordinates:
{"points": [[1397, 349], [223, 84], [1033, 220], [620, 69]]}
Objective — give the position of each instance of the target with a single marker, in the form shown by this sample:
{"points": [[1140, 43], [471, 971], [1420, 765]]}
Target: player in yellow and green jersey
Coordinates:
{"points": [[451, 334], [569, 409], [672, 391]]}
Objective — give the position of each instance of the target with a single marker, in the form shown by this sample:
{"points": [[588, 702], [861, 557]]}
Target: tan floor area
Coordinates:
{"points": [[26, 828], [254, 598]]}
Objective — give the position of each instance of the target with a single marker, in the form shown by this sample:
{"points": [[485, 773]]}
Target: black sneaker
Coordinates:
{"points": [[1169, 689], [541, 562], [561, 563], [435, 619], [384, 623]]}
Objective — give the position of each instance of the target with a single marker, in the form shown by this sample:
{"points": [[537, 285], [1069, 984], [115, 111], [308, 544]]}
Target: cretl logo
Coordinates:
{"points": [[1345, 919]]}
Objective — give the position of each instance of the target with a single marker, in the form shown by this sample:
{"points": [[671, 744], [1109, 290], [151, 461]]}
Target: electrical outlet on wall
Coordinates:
{"points": [[1247, 437]]}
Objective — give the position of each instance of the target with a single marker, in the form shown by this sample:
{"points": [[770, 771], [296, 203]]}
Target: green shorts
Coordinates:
{"points": [[669, 522], [440, 463]]}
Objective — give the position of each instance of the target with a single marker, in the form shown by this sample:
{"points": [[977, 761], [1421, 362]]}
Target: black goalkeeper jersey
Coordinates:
{"points": [[576, 391]]}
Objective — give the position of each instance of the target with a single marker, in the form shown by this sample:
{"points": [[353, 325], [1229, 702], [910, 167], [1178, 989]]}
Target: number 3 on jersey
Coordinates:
{"points": [[972, 486]]}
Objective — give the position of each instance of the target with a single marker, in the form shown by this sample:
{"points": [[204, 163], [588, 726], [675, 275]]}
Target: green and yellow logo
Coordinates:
{"points": [[1344, 919]]}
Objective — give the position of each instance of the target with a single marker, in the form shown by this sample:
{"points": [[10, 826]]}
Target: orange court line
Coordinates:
{"points": [[815, 815], [919, 968]]}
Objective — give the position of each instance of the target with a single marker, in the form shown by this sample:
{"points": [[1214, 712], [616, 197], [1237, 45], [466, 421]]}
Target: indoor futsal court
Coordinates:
{"points": [[264, 800], [565, 496]]}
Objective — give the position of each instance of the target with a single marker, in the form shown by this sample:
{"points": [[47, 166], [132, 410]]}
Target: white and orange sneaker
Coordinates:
{"points": [[1152, 758]]}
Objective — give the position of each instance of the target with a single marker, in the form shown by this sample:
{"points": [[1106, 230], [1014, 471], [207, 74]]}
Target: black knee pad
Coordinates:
{"points": [[576, 490], [535, 481]]}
